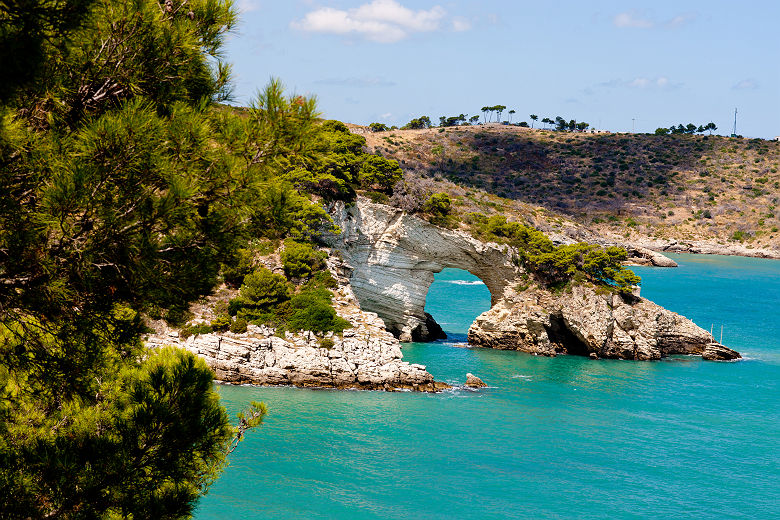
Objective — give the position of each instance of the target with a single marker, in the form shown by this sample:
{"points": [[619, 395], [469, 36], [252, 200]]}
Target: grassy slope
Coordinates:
{"points": [[681, 187]]}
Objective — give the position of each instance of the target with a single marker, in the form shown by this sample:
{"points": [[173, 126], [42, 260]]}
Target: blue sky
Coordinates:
{"points": [[604, 62]]}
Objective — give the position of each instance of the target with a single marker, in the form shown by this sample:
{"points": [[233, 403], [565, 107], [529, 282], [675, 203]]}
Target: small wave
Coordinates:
{"points": [[466, 282], [521, 376]]}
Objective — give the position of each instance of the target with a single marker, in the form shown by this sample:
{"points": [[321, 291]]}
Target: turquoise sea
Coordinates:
{"points": [[563, 437]]}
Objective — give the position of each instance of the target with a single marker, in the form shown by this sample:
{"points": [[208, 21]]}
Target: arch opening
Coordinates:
{"points": [[454, 300]]}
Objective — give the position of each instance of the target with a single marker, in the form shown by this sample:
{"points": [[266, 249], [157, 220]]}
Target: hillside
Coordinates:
{"points": [[679, 187]]}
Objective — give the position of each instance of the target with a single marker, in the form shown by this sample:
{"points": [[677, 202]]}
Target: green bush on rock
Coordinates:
{"points": [[239, 326], [557, 265], [268, 298]]}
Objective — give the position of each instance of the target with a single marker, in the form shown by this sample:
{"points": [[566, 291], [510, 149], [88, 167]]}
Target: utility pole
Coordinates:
{"points": [[632, 124]]}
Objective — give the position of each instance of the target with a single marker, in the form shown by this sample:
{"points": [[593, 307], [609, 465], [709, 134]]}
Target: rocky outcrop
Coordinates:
{"points": [[359, 360], [638, 255], [706, 247], [366, 356], [717, 352], [392, 257], [583, 322], [473, 381]]}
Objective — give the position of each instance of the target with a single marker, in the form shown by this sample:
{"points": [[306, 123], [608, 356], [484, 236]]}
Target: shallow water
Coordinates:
{"points": [[561, 437]]}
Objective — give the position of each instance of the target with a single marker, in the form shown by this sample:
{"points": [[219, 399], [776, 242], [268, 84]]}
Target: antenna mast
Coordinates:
{"points": [[734, 133]]}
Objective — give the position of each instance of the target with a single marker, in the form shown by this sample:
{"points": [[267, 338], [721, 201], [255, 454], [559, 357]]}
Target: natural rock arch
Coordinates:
{"points": [[393, 256]]}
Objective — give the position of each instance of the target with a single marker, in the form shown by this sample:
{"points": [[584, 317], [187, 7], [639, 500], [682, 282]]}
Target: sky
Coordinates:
{"points": [[618, 65]]}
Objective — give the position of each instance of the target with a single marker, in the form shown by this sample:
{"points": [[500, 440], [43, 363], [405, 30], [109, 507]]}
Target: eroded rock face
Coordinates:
{"points": [[584, 322], [393, 257]]}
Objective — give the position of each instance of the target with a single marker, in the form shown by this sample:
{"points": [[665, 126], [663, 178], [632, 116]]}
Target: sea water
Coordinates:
{"points": [[564, 437]]}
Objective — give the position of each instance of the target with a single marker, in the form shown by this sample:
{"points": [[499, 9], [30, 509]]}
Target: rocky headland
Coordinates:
{"points": [[391, 258], [384, 261]]}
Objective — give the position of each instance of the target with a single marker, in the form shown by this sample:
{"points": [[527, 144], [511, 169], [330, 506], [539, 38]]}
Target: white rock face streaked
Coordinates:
{"points": [[393, 256]]}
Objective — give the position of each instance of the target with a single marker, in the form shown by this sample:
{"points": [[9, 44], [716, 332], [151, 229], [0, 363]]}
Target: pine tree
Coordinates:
{"points": [[114, 201]]}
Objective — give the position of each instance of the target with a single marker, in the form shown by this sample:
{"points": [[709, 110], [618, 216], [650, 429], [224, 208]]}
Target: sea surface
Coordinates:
{"points": [[564, 437]]}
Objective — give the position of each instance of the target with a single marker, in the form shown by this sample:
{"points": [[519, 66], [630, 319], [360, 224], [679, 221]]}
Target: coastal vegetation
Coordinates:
{"points": [[554, 265], [127, 191]]}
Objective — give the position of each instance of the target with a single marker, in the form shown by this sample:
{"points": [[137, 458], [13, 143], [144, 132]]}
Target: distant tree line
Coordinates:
{"points": [[560, 124], [690, 129]]}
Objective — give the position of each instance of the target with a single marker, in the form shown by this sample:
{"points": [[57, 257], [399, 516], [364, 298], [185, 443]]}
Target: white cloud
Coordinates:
{"points": [[384, 21], [388, 115], [746, 84], [659, 82], [639, 20], [460, 24], [632, 19]]}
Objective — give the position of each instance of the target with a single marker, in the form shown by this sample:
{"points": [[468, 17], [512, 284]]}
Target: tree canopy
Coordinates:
{"points": [[124, 188]]}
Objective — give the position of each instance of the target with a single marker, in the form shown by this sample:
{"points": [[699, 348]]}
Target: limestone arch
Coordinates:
{"points": [[391, 258]]}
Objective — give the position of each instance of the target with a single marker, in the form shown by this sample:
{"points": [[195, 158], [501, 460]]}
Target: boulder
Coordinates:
{"points": [[474, 382]]}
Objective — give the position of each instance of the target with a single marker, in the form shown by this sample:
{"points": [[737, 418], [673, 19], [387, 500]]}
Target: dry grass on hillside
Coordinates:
{"points": [[683, 187]]}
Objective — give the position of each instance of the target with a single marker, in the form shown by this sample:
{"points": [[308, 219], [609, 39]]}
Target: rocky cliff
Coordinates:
{"points": [[391, 258], [588, 322], [366, 357]]}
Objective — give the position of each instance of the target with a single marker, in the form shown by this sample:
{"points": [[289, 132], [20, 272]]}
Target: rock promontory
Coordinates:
{"points": [[365, 356], [391, 257], [588, 322]]}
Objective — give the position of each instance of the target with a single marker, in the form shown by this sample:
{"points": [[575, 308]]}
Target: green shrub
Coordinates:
{"points": [[221, 323], [238, 326], [739, 236], [557, 265], [263, 289], [299, 259], [439, 207], [379, 174], [237, 267], [321, 279], [193, 330], [177, 315], [312, 310], [327, 343], [235, 305]]}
